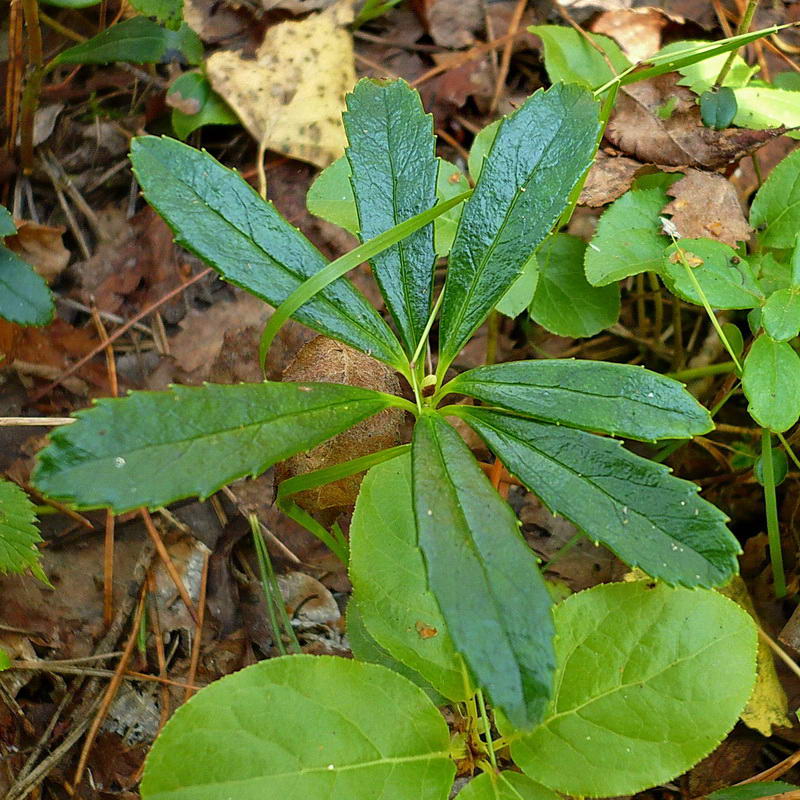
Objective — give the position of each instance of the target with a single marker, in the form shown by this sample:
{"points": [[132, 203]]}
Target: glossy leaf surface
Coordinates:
{"points": [[564, 301], [636, 667], [482, 573], [393, 166], [24, 296], [619, 399], [219, 217], [539, 154], [139, 41], [771, 382], [388, 576], [631, 505], [151, 448], [301, 727], [18, 533]]}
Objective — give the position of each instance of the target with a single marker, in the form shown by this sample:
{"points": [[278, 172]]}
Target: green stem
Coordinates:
{"points": [[744, 26], [702, 372], [787, 447], [773, 525], [487, 729]]}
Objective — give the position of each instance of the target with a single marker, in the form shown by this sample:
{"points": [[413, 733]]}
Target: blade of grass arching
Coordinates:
{"points": [[272, 593], [773, 524], [684, 58], [336, 269]]}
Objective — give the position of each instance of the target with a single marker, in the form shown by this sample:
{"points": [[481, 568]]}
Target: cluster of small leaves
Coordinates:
{"points": [[24, 296], [18, 533]]}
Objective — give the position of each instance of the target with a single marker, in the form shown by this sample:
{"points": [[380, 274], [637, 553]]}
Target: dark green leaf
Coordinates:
{"points": [[752, 791], [388, 576], [631, 505], [139, 41], [734, 336], [539, 154], [18, 533], [151, 448], [217, 215], [196, 104], [619, 399], [780, 315], [7, 226], [24, 296], [569, 57], [725, 279], [331, 196], [771, 383], [167, 12], [628, 239], [718, 108], [393, 162], [564, 301], [482, 573], [775, 212], [780, 467]]}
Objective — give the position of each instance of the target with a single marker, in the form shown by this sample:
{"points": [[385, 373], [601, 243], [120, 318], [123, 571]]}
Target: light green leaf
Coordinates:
{"points": [[365, 648], [771, 383], [725, 278], [139, 41], [481, 145], [506, 785], [631, 505], [570, 58], [520, 294], [7, 226], [628, 239], [450, 182], [752, 791], [18, 533], [636, 667], [5, 661], [193, 91], [167, 12], [775, 212], [780, 315], [301, 727], [538, 156], [701, 76], [393, 167], [619, 399], [24, 296], [565, 302], [764, 107], [482, 573], [219, 217], [151, 448], [331, 196], [388, 575]]}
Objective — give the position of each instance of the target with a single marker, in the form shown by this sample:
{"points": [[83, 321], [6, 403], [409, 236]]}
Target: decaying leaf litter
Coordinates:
{"points": [[280, 72]]}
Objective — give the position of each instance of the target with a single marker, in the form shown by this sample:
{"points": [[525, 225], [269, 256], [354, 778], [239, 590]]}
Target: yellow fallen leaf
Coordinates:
{"points": [[291, 97], [768, 706]]}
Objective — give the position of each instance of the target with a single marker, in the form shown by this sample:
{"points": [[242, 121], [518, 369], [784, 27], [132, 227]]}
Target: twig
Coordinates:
{"points": [[744, 26], [35, 422], [505, 60], [198, 635]]}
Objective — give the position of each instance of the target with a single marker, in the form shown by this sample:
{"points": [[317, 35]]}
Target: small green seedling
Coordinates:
{"points": [[477, 615]]}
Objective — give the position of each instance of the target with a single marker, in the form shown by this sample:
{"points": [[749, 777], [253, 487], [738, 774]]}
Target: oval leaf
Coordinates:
{"points": [[482, 573], [221, 218], [388, 574], [394, 168], [151, 448], [538, 156], [24, 296], [506, 785], [301, 727], [635, 667], [619, 399], [18, 533], [775, 212], [631, 505], [771, 383], [780, 315]]}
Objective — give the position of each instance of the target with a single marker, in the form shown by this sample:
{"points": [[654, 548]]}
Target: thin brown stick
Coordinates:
{"points": [[34, 422], [95, 672], [198, 634], [775, 771], [117, 333], [505, 60], [158, 542], [111, 691]]}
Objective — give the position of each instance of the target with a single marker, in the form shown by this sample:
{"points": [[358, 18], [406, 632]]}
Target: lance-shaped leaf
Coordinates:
{"points": [[539, 154], [482, 573], [631, 505], [220, 217], [24, 296], [151, 448], [18, 534], [619, 399], [393, 171]]}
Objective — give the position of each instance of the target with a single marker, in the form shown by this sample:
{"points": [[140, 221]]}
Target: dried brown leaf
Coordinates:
{"points": [[705, 205], [677, 139], [636, 31], [609, 178], [41, 246]]}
